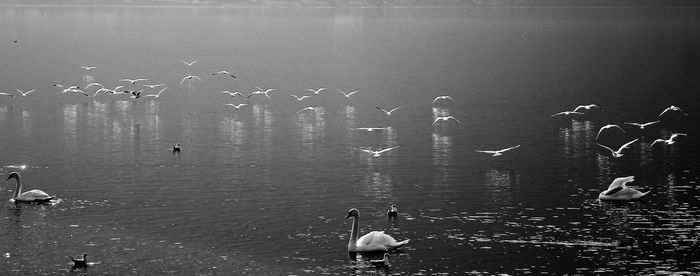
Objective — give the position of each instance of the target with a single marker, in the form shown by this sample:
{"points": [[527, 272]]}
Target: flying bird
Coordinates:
{"points": [[370, 129], [388, 113], [668, 141], [232, 94], [443, 98], [618, 153], [153, 86], [133, 81], [498, 152], [188, 63], [88, 68], [94, 84], [445, 118], [587, 107], [189, 77], [347, 95], [377, 153], [308, 108], [261, 91], [24, 94], [237, 106], [136, 94], [157, 95], [672, 108], [567, 113], [299, 99], [224, 72], [607, 127], [642, 125], [316, 91]]}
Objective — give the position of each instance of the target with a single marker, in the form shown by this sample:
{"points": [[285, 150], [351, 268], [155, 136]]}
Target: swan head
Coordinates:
{"points": [[354, 213], [623, 180], [14, 175]]}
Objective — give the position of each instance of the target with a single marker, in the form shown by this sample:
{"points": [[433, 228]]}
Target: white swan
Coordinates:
{"points": [[618, 191], [375, 241], [28, 196]]}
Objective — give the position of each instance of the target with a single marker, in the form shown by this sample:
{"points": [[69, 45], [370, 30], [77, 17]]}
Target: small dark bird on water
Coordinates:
{"points": [[79, 262], [177, 148], [383, 263], [393, 212]]}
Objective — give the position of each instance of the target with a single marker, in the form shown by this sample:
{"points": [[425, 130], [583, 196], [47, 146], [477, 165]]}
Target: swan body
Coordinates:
{"points": [[28, 196], [618, 191], [375, 241]]}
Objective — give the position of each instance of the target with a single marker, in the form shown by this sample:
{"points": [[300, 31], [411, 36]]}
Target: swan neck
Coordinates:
{"points": [[18, 187], [355, 229]]}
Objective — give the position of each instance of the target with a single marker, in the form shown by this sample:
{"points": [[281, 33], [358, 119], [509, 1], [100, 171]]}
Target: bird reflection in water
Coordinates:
{"points": [[501, 182], [377, 185], [311, 127], [349, 117]]}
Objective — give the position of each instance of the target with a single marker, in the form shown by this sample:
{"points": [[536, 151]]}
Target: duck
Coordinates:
{"points": [[382, 263], [28, 196], [618, 191], [393, 212], [375, 241], [177, 148], [79, 262]]}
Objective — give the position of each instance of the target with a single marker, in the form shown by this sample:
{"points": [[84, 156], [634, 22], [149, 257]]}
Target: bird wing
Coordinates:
{"points": [[161, 91], [353, 92], [620, 128], [656, 141], [665, 110], [387, 149], [129, 80], [627, 144], [487, 151], [579, 107], [183, 80], [395, 108], [651, 123], [453, 118], [382, 109], [513, 147], [341, 91], [611, 150], [560, 113], [635, 124]]}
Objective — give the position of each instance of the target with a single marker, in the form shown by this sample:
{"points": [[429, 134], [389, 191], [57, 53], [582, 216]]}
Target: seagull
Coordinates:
{"points": [[618, 152], [383, 263], [670, 140], [136, 94], [238, 106], [642, 125], [316, 91], [370, 129], [88, 68], [445, 118], [393, 212], [347, 95], [24, 94], [133, 81], [157, 95], [299, 99], [308, 108], [377, 153], [6, 94], [153, 86], [588, 106], [232, 94], [672, 108], [443, 98], [82, 262], [94, 84], [567, 113], [188, 63], [388, 113], [189, 77], [606, 127], [497, 152], [223, 72], [261, 91]]}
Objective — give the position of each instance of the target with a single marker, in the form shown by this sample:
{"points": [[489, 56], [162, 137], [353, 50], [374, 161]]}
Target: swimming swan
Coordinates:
{"points": [[618, 191], [29, 196], [375, 241]]}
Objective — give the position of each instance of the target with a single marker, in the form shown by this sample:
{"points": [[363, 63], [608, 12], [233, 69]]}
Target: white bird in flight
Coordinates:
{"points": [[609, 126], [347, 95], [443, 98], [377, 153], [24, 94], [224, 72], [672, 108], [618, 153], [497, 152], [188, 63], [370, 129], [445, 118], [94, 84], [670, 140], [567, 113], [232, 94], [642, 125], [587, 107], [237, 106], [153, 86], [261, 91], [157, 95], [88, 68], [316, 91], [299, 99], [133, 81], [189, 77], [388, 113], [308, 108]]}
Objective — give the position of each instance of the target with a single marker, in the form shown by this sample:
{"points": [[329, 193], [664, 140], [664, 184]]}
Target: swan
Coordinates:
{"points": [[28, 196], [618, 191], [375, 241], [79, 262]]}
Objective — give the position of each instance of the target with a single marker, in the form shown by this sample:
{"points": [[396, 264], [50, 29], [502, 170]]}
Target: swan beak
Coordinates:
{"points": [[348, 216]]}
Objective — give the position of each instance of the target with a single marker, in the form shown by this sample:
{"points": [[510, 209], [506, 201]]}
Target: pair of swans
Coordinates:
{"points": [[618, 191], [28, 196], [375, 241]]}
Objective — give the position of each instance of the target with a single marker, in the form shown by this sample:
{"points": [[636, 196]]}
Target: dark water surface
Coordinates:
{"points": [[264, 190]]}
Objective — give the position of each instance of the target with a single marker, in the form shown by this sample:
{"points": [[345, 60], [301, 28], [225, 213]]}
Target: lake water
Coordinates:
{"points": [[264, 190]]}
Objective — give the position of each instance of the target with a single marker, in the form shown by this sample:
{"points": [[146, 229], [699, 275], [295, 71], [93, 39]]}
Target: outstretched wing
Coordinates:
{"points": [[388, 149], [627, 144]]}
